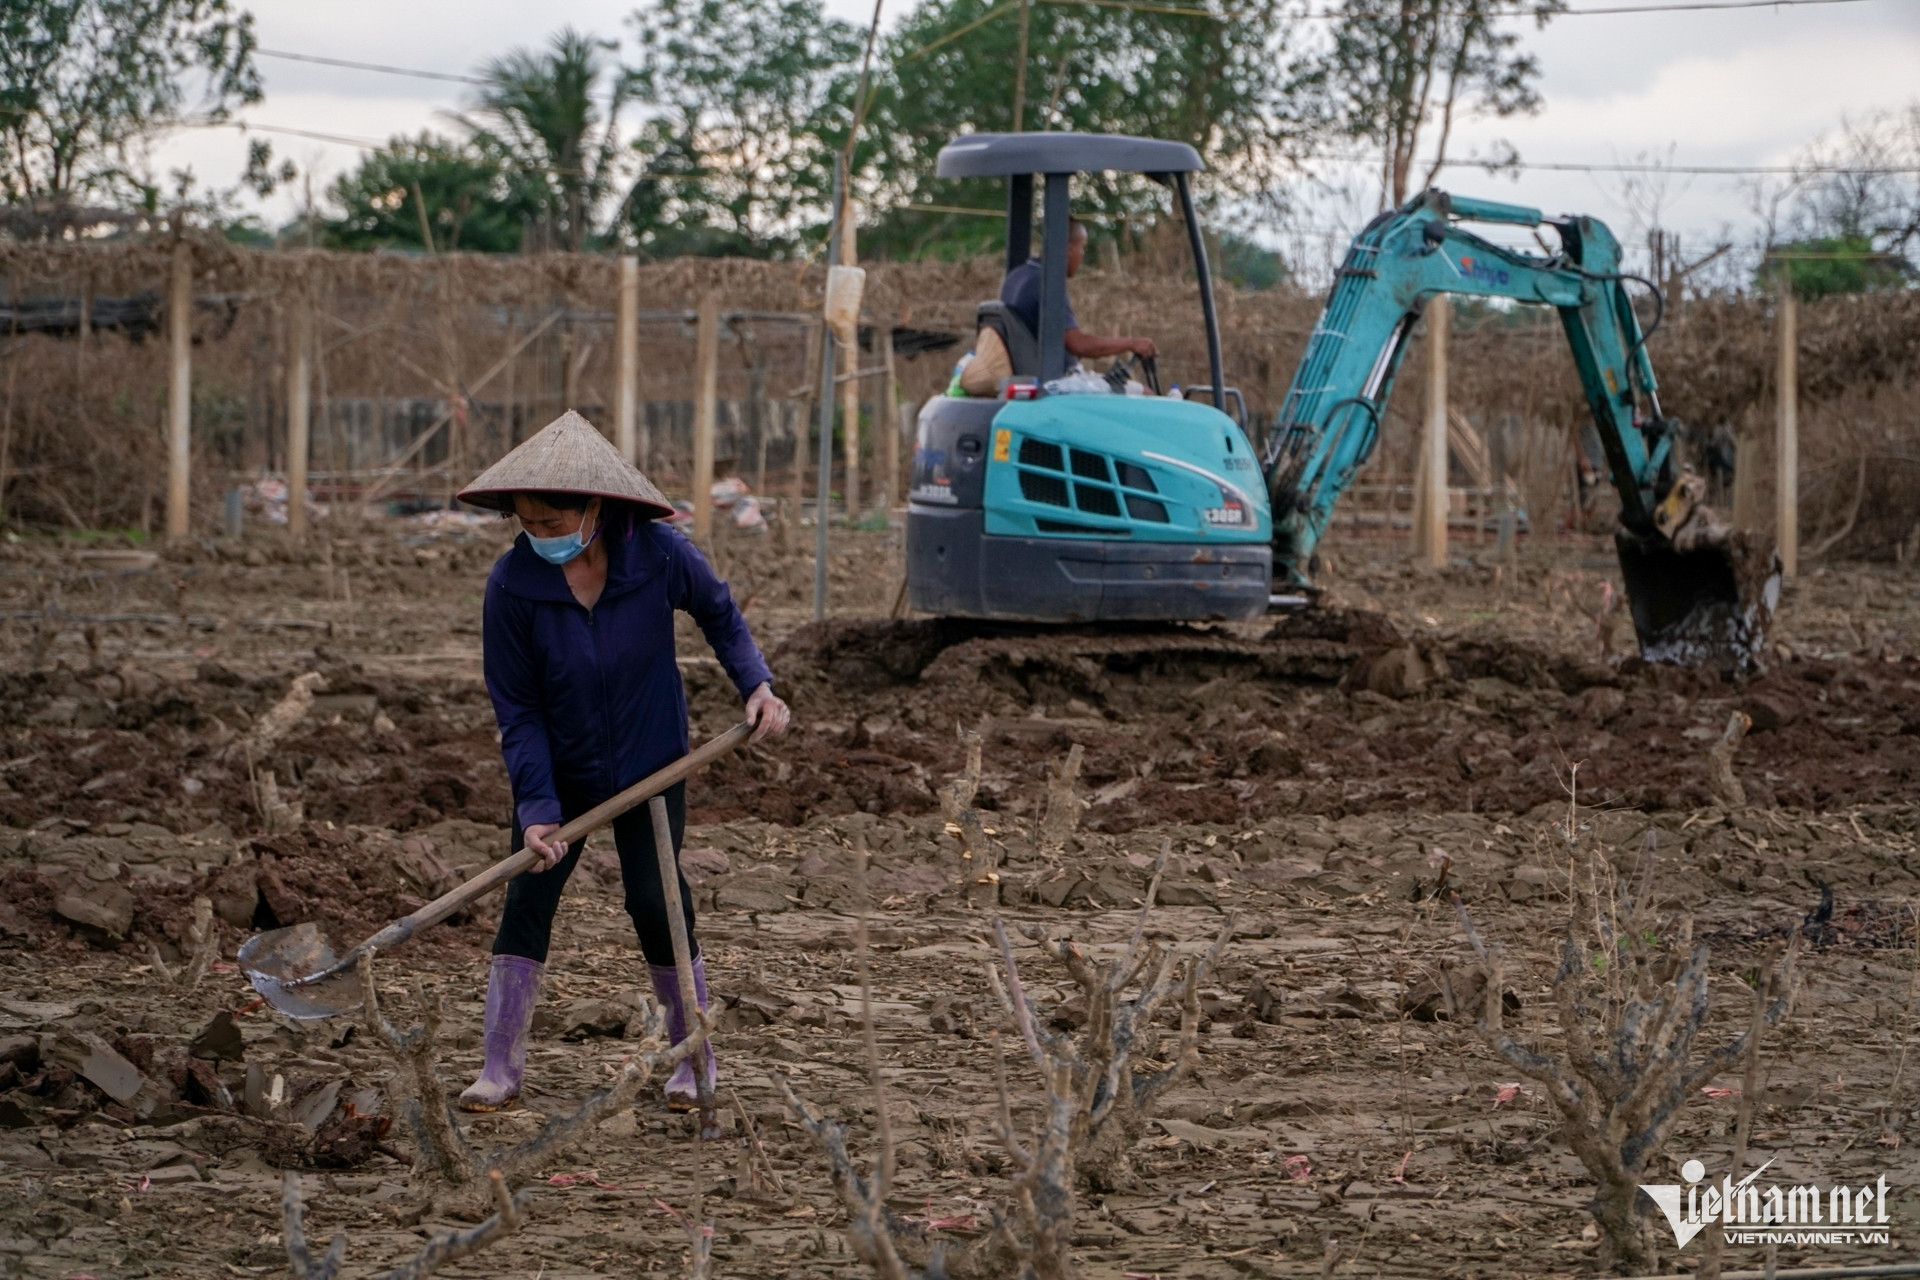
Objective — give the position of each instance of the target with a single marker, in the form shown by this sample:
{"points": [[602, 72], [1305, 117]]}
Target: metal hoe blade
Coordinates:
{"points": [[281, 963], [1707, 606]]}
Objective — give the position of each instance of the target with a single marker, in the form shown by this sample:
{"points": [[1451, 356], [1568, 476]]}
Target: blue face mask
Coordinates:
{"points": [[563, 548]]}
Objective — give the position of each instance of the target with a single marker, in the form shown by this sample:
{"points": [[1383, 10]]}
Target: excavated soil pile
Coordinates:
{"points": [[132, 887], [128, 745], [1330, 713]]}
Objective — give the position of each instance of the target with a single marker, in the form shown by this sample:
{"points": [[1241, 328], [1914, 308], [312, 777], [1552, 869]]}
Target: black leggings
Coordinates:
{"points": [[526, 921]]}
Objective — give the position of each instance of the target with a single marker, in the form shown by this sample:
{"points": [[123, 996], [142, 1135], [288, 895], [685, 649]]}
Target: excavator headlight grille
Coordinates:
{"points": [[1035, 487], [1038, 453]]}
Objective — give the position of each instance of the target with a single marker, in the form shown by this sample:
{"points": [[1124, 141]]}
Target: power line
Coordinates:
{"points": [[1691, 6], [369, 66], [1142, 6], [1724, 170], [1546, 165], [249, 125]]}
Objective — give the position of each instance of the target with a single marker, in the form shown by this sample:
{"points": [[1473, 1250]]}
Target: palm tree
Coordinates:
{"points": [[539, 108]]}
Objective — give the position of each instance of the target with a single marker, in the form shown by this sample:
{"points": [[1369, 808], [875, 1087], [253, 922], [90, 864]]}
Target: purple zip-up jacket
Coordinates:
{"points": [[590, 701]]}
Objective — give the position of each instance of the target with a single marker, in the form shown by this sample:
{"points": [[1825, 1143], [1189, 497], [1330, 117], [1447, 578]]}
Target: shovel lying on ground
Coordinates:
{"points": [[298, 974]]}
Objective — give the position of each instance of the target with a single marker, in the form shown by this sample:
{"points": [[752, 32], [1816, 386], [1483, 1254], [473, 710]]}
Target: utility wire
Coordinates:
{"points": [[1552, 166], [250, 125], [1328, 15], [369, 66], [1690, 7], [1723, 170], [1141, 6]]}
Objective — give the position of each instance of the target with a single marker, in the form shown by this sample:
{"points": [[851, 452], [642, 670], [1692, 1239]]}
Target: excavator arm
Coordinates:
{"points": [[1698, 591]]}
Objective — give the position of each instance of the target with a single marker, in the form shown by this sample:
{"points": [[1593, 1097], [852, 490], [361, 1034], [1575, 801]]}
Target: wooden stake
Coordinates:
{"points": [[626, 342], [1433, 532], [706, 413], [1787, 435], [886, 418], [179, 388], [299, 409]]}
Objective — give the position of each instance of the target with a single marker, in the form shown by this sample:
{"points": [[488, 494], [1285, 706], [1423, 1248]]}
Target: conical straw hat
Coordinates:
{"points": [[568, 455]]}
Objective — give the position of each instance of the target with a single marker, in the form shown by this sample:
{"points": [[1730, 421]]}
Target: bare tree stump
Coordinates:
{"points": [[1064, 805], [1630, 1062], [1720, 776]]}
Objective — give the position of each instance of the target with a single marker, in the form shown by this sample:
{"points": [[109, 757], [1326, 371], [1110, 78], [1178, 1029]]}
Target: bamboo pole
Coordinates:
{"points": [[824, 484], [1433, 527], [803, 422], [1746, 471], [626, 340], [179, 388], [1020, 70], [1787, 434], [299, 409], [850, 380], [706, 412], [886, 418]]}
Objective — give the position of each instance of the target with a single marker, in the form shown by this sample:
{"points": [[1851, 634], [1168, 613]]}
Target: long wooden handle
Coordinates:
{"points": [[587, 823]]}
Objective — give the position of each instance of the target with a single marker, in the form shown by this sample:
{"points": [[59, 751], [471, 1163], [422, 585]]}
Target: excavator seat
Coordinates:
{"points": [[1023, 348]]}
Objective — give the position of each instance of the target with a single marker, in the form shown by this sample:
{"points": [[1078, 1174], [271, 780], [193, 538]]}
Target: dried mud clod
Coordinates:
{"points": [[509, 1214], [444, 1156], [1095, 1108], [1631, 996]]}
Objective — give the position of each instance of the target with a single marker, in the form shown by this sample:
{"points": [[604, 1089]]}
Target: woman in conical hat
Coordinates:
{"points": [[579, 658]]}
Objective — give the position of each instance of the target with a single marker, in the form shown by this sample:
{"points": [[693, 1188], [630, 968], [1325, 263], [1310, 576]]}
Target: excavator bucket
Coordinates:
{"points": [[1707, 605]]}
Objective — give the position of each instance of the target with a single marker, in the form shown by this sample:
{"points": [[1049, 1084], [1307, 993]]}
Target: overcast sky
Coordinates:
{"points": [[1735, 88]]}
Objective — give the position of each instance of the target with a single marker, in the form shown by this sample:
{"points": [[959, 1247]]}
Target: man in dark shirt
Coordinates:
{"points": [[1021, 294]]}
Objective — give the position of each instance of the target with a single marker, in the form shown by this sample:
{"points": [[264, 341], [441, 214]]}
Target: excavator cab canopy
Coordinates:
{"points": [[1055, 158], [1077, 505]]}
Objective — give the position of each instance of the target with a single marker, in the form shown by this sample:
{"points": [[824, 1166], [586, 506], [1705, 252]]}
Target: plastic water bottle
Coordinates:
{"points": [[953, 387]]}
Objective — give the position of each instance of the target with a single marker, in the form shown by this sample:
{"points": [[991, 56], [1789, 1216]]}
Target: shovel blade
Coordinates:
{"points": [[281, 965], [1707, 606]]}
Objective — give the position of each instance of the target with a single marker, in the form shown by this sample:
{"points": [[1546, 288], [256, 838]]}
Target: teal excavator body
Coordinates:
{"points": [[1076, 508]]}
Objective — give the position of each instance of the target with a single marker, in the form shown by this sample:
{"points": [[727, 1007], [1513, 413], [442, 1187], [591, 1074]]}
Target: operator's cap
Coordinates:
{"points": [[568, 455]]}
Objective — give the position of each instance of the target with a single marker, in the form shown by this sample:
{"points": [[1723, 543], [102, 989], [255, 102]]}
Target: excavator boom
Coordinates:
{"points": [[1698, 592]]}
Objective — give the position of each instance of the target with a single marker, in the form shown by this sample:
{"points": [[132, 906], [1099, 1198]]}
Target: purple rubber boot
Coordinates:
{"points": [[683, 1094], [513, 988]]}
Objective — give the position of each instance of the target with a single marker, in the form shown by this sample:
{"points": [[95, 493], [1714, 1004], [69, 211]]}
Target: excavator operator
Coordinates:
{"points": [[1021, 294]]}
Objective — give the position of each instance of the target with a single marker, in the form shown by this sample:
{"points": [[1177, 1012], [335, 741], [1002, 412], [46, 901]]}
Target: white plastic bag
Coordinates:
{"points": [[845, 285], [1079, 384]]}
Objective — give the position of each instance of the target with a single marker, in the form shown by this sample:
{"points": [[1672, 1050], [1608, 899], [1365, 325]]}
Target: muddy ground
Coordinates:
{"points": [[1312, 777]]}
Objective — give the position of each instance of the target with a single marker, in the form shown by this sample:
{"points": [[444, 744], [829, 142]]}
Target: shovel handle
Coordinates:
{"points": [[587, 823]]}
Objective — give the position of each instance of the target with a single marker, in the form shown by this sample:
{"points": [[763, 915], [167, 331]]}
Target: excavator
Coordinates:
{"points": [[1071, 498]]}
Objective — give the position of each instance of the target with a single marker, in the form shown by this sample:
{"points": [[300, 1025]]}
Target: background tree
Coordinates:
{"points": [[83, 82], [1395, 74], [539, 110], [1212, 81], [473, 198], [736, 158], [1848, 219]]}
